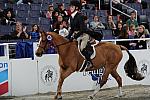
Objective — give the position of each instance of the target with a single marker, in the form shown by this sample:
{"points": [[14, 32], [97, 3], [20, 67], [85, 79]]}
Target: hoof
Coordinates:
{"points": [[120, 95], [90, 97], [58, 98]]}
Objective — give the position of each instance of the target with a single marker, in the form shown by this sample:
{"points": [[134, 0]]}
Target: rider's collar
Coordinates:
{"points": [[73, 14]]}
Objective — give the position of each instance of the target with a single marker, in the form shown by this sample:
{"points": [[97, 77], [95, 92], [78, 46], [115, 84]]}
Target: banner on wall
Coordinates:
{"points": [[3, 78]]}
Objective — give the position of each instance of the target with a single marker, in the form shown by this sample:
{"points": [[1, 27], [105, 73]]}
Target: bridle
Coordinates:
{"points": [[46, 40], [43, 47]]}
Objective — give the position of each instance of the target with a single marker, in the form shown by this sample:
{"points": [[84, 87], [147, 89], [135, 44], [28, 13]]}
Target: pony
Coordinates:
{"points": [[70, 60]]}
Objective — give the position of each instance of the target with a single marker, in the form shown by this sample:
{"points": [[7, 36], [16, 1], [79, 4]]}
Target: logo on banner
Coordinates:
{"points": [[3, 78], [49, 74], [96, 75], [144, 67]]}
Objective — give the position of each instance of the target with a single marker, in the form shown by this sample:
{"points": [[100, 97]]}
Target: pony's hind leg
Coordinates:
{"points": [[115, 74], [102, 82]]}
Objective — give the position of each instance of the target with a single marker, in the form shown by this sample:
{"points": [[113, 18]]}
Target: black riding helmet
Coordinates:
{"points": [[75, 3]]}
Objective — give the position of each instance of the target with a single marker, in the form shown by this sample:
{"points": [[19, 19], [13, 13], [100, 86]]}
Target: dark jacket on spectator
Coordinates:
{"points": [[14, 35]]}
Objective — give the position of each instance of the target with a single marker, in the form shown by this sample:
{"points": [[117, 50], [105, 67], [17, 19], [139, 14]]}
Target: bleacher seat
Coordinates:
{"points": [[35, 1], [44, 7], [2, 53], [32, 21], [144, 11], [103, 19], [148, 19], [66, 1], [15, 7], [66, 5], [45, 28], [136, 6], [8, 5], [92, 13], [22, 19], [107, 34], [36, 7], [23, 7], [129, 11], [47, 1], [34, 14], [102, 12], [143, 19], [22, 14], [115, 19], [5, 30], [44, 21], [58, 1]]}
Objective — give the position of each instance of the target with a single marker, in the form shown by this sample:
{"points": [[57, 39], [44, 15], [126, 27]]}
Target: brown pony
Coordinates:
{"points": [[107, 54]]}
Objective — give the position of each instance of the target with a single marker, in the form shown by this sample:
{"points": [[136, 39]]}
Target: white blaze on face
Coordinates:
{"points": [[39, 41]]}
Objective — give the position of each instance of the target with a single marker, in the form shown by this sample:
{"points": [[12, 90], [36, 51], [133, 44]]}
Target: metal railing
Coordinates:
{"points": [[111, 8]]}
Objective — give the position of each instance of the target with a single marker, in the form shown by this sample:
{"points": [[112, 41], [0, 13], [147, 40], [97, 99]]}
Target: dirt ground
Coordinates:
{"points": [[134, 92]]}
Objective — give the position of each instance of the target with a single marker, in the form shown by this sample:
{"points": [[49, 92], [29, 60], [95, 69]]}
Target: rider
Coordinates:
{"points": [[79, 29]]}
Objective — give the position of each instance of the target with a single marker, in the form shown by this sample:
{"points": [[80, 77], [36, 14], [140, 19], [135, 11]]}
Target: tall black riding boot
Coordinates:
{"points": [[87, 57]]}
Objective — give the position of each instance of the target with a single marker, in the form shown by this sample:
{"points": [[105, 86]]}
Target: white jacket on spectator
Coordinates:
{"points": [[97, 25], [63, 32]]}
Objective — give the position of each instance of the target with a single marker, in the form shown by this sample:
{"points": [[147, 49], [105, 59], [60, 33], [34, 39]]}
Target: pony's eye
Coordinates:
{"points": [[49, 37]]}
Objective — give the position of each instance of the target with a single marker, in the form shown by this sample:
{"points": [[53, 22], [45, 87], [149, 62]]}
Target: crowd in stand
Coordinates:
{"points": [[58, 17]]}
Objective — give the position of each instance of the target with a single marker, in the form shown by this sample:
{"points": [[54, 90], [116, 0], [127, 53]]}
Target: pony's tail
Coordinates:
{"points": [[131, 67]]}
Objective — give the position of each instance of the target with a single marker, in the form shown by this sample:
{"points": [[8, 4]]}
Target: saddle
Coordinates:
{"points": [[90, 48]]}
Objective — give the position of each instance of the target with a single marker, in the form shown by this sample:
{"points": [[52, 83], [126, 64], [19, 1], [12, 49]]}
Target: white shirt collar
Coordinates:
{"points": [[73, 14]]}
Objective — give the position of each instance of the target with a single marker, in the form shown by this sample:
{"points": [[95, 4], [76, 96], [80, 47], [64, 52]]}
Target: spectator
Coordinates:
{"points": [[142, 33], [132, 20], [9, 17], [20, 32], [60, 18], [62, 11], [49, 12], [55, 14], [84, 5], [65, 24], [86, 21], [58, 21], [110, 23], [120, 32], [96, 23], [132, 34], [35, 32], [62, 30], [1, 14]]}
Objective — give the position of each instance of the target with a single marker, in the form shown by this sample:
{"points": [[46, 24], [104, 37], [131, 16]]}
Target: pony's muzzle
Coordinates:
{"points": [[38, 54]]}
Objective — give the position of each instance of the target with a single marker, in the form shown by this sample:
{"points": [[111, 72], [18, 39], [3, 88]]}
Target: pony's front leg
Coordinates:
{"points": [[59, 90], [63, 75]]}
